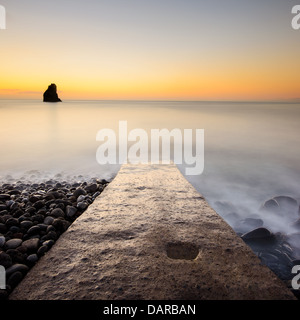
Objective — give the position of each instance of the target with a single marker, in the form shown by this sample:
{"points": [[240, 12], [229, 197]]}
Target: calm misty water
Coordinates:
{"points": [[251, 149]]}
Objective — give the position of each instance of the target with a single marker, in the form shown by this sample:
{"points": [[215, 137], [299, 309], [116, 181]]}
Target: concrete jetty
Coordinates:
{"points": [[150, 236]]}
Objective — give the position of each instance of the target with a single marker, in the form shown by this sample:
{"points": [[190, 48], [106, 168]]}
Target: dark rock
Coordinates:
{"points": [[14, 279], [4, 197], [48, 220], [96, 194], [259, 233], [61, 225], [16, 256], [12, 222], [296, 262], [38, 218], [91, 188], [3, 212], [57, 213], [42, 250], [14, 192], [50, 95], [31, 245], [81, 198], [13, 243], [39, 204], [48, 243], [2, 241], [33, 230], [50, 228], [15, 268], [31, 210], [32, 259], [82, 205], [78, 192], [71, 211], [34, 199], [51, 235], [5, 260], [26, 224], [285, 201], [3, 228], [14, 229], [271, 205], [18, 213], [282, 205]]}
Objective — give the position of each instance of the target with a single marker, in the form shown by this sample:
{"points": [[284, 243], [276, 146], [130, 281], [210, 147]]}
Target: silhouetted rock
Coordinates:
{"points": [[50, 95]]}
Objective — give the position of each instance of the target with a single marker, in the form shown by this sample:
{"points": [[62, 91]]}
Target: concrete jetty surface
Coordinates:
{"points": [[150, 236]]}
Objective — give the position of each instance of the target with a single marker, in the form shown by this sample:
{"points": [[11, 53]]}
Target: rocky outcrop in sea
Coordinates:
{"points": [[50, 95]]}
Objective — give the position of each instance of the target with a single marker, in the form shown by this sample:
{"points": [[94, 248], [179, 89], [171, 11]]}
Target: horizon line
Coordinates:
{"points": [[295, 100]]}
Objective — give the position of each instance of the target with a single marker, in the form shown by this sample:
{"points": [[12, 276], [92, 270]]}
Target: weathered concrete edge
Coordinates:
{"points": [[131, 248]]}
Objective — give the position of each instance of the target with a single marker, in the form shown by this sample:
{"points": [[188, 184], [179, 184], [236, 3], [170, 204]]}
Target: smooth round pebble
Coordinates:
{"points": [[13, 243]]}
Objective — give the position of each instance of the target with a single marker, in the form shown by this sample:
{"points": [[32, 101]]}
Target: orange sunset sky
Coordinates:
{"points": [[161, 50]]}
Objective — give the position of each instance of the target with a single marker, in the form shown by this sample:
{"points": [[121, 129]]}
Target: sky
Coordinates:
{"points": [[150, 49]]}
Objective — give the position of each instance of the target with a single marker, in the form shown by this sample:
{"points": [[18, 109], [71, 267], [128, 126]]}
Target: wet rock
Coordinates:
{"points": [[287, 202], [259, 233], [271, 205], [13, 243], [283, 206]]}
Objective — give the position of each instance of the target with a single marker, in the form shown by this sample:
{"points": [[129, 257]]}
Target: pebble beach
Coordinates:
{"points": [[33, 216]]}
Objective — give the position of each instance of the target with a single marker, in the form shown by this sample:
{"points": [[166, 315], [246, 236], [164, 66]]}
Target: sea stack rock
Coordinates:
{"points": [[50, 95]]}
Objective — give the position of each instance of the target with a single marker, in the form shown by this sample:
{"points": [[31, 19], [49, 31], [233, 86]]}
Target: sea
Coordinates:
{"points": [[251, 149]]}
